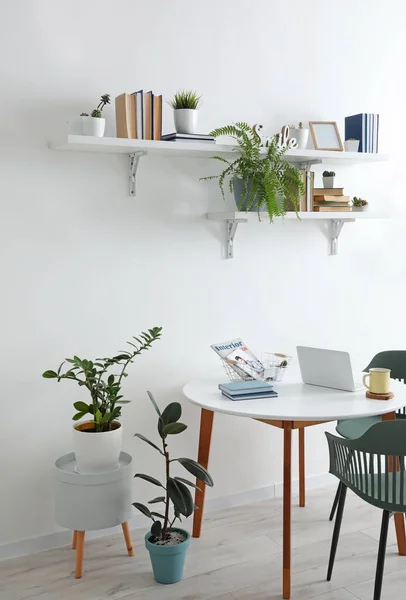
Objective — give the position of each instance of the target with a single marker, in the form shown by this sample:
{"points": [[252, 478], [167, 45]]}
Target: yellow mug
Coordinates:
{"points": [[379, 381]]}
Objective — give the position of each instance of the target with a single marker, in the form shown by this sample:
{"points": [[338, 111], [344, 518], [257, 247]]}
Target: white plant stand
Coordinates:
{"points": [[85, 502]]}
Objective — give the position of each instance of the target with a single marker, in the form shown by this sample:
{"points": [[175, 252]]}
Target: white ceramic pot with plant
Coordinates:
{"points": [[94, 125], [351, 145], [359, 204], [301, 135], [166, 544], [328, 179], [185, 104], [97, 442]]}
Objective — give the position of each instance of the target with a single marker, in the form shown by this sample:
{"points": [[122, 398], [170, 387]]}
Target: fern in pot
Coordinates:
{"points": [[167, 544], [261, 178], [97, 442]]}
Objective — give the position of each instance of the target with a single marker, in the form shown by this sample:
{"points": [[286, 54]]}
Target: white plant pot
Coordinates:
{"points": [[97, 452], [351, 145], [93, 126], [359, 208], [185, 120], [301, 136], [328, 182]]}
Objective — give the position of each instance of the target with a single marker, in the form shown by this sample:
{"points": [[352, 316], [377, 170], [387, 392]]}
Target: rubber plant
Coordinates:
{"points": [[269, 181], [176, 492], [103, 385]]}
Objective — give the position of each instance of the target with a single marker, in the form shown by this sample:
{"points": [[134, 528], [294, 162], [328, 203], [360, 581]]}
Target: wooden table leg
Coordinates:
{"points": [[287, 502], [80, 542], [302, 488], [74, 538], [127, 537], [206, 426], [399, 518]]}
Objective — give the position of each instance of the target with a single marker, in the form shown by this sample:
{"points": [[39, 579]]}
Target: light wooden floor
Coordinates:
{"points": [[237, 558]]}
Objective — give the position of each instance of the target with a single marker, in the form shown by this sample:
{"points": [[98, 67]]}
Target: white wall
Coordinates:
{"points": [[84, 266]]}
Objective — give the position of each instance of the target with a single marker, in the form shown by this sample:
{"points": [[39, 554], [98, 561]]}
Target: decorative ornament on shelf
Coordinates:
{"points": [[95, 124], [185, 104], [282, 138]]}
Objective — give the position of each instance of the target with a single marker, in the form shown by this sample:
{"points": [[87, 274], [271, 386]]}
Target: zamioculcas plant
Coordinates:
{"points": [[176, 492]]}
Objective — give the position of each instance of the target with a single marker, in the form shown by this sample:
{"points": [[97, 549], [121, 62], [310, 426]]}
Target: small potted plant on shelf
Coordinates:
{"points": [[185, 104], [95, 124], [301, 135], [261, 178], [328, 179], [167, 545], [358, 204], [97, 442], [351, 145]]}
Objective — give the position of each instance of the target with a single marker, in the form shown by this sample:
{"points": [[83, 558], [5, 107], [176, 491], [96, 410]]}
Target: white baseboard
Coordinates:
{"points": [[62, 538]]}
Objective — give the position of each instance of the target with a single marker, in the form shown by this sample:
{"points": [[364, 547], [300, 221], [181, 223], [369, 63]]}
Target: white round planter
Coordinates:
{"points": [[185, 120], [359, 208], [351, 145], [93, 126], [97, 452], [301, 136], [328, 182]]}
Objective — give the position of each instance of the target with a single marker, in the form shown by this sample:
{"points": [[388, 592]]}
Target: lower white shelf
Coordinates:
{"points": [[336, 221]]}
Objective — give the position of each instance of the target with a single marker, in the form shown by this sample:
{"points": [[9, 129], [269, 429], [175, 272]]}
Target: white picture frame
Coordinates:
{"points": [[325, 136]]}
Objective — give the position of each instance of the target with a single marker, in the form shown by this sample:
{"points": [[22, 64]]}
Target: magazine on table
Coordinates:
{"points": [[240, 358]]}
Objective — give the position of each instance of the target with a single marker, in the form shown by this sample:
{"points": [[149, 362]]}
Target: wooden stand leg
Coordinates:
{"points": [[127, 537], [287, 501], [80, 542], [302, 488], [75, 533], [399, 518], [206, 426]]}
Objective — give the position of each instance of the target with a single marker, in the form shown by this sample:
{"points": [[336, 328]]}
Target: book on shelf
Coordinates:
{"points": [[157, 118], [309, 190], [331, 208], [126, 122], [336, 204], [328, 191], [240, 358], [365, 128], [147, 121], [188, 137], [330, 198], [139, 104]]}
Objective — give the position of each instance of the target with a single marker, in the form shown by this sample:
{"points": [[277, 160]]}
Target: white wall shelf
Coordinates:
{"points": [[335, 220], [137, 148]]}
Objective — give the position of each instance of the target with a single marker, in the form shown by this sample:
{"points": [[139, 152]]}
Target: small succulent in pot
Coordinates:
{"points": [[167, 544], [351, 145], [185, 104], [328, 179], [95, 123], [359, 203], [301, 135]]}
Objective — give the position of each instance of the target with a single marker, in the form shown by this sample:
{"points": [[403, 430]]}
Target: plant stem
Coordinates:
{"points": [[166, 520]]}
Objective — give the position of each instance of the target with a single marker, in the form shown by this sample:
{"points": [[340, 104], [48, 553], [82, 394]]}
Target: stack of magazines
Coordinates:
{"points": [[247, 390]]}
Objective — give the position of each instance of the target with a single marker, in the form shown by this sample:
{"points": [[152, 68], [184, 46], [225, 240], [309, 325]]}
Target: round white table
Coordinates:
{"points": [[298, 406]]}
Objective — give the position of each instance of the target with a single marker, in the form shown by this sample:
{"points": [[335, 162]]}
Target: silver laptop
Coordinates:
{"points": [[327, 368]]}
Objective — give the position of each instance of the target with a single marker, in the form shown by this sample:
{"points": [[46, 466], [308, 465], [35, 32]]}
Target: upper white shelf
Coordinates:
{"points": [[82, 143], [304, 216]]}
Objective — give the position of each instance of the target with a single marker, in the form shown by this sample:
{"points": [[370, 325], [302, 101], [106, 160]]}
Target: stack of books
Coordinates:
{"points": [[188, 137], [247, 390], [365, 128], [330, 200], [139, 116]]}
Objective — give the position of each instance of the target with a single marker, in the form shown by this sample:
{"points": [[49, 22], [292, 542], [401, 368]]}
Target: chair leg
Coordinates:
{"points": [[336, 533], [381, 555], [335, 502]]}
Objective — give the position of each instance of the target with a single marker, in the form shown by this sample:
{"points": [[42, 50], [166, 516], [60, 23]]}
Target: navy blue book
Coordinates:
{"points": [[236, 388], [252, 396], [356, 128]]}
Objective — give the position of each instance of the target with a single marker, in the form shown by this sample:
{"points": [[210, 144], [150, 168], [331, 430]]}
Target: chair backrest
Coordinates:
{"points": [[395, 360], [365, 464]]}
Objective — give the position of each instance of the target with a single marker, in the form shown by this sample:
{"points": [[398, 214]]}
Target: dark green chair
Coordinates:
{"points": [[364, 465], [395, 360]]}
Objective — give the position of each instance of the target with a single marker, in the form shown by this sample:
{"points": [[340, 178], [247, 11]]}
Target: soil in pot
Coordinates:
{"points": [[168, 560], [89, 427]]}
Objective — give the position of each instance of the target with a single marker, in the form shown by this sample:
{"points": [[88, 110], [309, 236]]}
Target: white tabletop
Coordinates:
{"points": [[296, 402]]}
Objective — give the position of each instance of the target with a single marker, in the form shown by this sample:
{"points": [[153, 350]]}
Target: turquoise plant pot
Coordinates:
{"points": [[168, 561], [242, 204]]}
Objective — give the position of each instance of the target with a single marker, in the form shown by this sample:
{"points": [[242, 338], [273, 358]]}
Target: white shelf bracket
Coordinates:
{"points": [[232, 225], [133, 167], [336, 226], [306, 165]]}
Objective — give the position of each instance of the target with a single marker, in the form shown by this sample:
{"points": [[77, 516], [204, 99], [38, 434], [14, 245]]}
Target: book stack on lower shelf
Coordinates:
{"points": [[247, 390], [330, 200], [139, 116], [188, 137]]}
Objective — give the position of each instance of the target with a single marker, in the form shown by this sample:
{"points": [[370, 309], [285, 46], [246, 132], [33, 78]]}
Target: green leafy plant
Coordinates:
{"points": [[175, 489], [268, 179], [329, 174], [185, 99], [300, 125], [97, 112], [359, 201], [103, 385], [352, 140]]}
